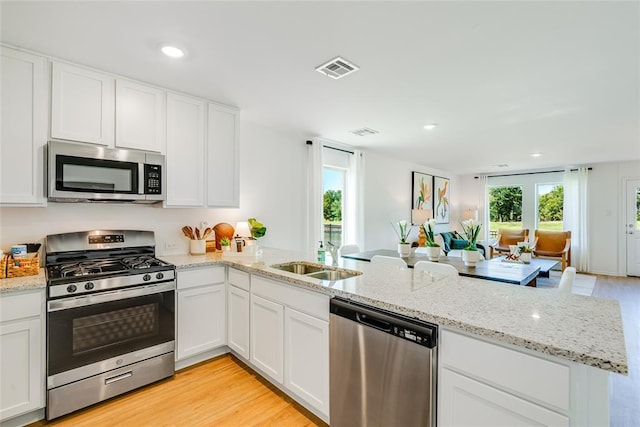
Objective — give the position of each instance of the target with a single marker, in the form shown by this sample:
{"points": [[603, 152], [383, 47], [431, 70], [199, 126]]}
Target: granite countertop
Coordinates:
{"points": [[23, 283], [581, 329]]}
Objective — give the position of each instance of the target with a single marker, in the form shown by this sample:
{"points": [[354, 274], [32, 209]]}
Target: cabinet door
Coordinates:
{"points": [[23, 82], [465, 402], [201, 320], [140, 116], [306, 358], [238, 321], [267, 336], [21, 378], [223, 182], [82, 105], [185, 151]]}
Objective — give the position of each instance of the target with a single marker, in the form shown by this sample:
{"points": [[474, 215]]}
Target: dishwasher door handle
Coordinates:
{"points": [[373, 322]]}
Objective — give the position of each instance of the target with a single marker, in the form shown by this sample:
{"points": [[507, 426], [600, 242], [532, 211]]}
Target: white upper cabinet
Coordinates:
{"points": [[223, 182], [82, 105], [23, 87], [140, 116], [185, 151]]}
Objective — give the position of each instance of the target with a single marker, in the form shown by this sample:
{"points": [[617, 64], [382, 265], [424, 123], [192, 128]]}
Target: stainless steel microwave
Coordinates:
{"points": [[88, 173]]}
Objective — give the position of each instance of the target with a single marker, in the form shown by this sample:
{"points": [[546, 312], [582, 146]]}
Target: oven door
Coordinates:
{"points": [[90, 334]]}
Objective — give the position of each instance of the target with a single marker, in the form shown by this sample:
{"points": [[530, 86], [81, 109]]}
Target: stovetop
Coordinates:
{"points": [[87, 269]]}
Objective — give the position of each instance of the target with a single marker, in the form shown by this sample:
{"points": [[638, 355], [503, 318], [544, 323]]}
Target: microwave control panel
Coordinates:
{"points": [[152, 179]]}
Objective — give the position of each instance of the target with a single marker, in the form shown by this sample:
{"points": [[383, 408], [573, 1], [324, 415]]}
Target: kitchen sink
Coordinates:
{"points": [[299, 267], [317, 271], [334, 274]]}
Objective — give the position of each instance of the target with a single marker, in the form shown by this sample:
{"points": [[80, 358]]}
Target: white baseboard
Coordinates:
{"points": [[181, 364], [24, 419]]}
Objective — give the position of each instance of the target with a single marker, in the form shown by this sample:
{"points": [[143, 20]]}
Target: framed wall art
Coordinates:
{"points": [[441, 198], [421, 197]]}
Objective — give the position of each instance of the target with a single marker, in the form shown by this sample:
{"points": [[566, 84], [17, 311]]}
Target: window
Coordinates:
{"points": [[334, 183], [550, 202], [505, 208]]}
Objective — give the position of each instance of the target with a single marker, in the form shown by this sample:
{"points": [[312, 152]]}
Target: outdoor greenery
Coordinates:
{"points": [[550, 205], [332, 205], [542, 225], [505, 204]]}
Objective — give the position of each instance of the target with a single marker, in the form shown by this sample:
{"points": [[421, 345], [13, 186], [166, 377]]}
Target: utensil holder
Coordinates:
{"points": [[198, 247]]}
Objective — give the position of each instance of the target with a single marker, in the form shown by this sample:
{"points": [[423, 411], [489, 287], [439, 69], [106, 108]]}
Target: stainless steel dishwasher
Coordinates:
{"points": [[383, 368]]}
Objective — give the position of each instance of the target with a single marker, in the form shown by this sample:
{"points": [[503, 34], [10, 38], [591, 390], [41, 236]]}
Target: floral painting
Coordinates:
{"points": [[442, 197], [422, 196]]}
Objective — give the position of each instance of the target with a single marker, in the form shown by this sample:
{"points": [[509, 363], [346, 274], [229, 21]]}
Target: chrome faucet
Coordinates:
{"points": [[333, 250]]}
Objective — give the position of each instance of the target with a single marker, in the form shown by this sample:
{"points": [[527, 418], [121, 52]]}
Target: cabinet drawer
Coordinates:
{"points": [[200, 276], [240, 279], [309, 302], [19, 306], [510, 370]]}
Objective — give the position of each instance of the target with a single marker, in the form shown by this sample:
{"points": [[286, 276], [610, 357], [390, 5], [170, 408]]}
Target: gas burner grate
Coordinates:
{"points": [[144, 261]]}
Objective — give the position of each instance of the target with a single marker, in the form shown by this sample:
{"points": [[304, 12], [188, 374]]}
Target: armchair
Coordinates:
{"points": [[508, 237], [555, 244]]}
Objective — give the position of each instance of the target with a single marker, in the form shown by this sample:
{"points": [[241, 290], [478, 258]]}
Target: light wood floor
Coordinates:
{"points": [[220, 392], [224, 392], [624, 392]]}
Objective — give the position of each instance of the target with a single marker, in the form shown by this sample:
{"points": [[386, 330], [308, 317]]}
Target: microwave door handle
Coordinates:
{"points": [[141, 178]]}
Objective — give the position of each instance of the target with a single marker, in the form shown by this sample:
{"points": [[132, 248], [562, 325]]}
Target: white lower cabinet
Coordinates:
{"points": [[466, 402], [267, 337], [306, 355], [201, 311], [22, 382], [238, 315], [485, 383], [290, 340]]}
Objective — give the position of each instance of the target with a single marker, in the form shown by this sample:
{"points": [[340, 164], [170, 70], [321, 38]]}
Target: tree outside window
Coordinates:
{"points": [[550, 206], [334, 181], [505, 208]]}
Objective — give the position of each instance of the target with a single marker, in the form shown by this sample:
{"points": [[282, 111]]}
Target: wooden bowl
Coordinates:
{"points": [[223, 230]]}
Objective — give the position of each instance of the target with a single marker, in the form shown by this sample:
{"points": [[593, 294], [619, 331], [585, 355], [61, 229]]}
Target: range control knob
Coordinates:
{"points": [[159, 276], [146, 277], [89, 285], [72, 288]]}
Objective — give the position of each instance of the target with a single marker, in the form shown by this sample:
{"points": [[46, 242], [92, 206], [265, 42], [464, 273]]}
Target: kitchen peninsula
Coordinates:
{"points": [[545, 354]]}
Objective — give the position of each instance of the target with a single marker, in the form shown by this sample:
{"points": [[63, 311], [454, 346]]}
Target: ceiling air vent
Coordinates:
{"points": [[337, 68], [502, 165], [364, 132]]}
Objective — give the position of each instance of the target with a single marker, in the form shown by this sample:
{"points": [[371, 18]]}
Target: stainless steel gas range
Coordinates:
{"points": [[110, 316]]}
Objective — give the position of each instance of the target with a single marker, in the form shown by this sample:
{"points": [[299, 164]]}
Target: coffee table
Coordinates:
{"points": [[517, 274], [545, 264]]}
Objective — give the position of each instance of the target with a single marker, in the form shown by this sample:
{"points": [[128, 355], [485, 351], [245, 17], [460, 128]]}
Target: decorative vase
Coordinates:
{"points": [[470, 258], [198, 247], [525, 257], [404, 249], [433, 253]]}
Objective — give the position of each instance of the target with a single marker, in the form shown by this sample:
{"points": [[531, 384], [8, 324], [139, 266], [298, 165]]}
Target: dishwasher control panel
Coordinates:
{"points": [[414, 330]]}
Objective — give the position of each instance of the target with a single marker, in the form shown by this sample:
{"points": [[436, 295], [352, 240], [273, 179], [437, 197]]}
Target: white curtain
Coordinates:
{"points": [[483, 206], [575, 215], [354, 208], [314, 197]]}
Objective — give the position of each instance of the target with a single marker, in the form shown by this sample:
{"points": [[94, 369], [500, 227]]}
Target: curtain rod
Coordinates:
{"points": [[528, 173], [332, 148]]}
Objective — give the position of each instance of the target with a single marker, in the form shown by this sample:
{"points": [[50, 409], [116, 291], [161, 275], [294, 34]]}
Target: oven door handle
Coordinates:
{"points": [[81, 301]]}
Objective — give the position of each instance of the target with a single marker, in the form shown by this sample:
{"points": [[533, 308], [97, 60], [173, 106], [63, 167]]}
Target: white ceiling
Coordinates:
{"points": [[502, 79]]}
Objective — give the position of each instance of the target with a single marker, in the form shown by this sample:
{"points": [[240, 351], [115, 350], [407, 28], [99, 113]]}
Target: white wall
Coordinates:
{"points": [[272, 170], [387, 199], [607, 240]]}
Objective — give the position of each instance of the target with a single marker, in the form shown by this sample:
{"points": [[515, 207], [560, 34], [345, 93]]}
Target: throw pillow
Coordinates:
{"points": [[459, 243], [447, 236]]}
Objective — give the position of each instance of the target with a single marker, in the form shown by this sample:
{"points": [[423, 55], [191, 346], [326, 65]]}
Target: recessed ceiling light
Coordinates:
{"points": [[172, 51], [430, 126], [536, 154]]}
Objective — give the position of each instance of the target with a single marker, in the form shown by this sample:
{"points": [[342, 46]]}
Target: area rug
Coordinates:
{"points": [[583, 284]]}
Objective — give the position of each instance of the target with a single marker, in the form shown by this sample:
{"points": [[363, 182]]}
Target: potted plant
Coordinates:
{"points": [[225, 244], [402, 231], [433, 249], [470, 254], [525, 253]]}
